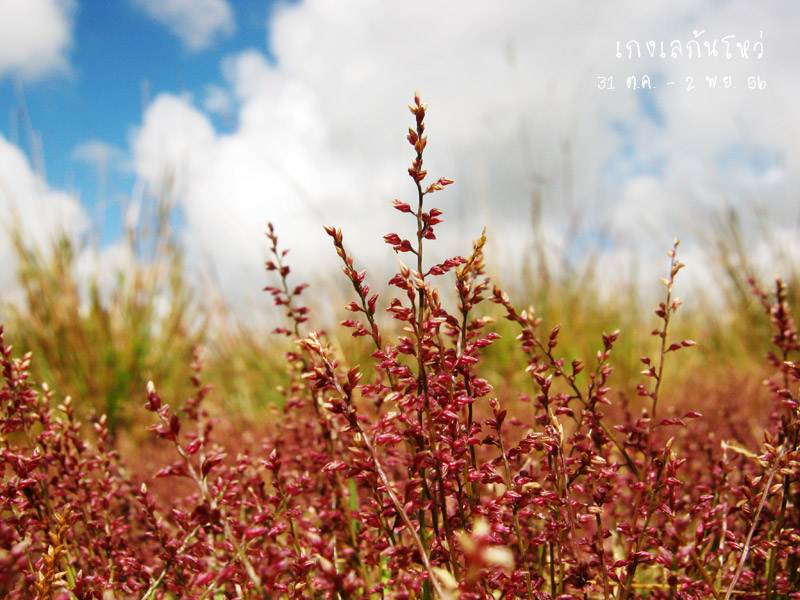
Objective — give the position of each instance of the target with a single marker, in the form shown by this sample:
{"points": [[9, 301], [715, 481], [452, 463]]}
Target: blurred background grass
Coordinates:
{"points": [[101, 346]]}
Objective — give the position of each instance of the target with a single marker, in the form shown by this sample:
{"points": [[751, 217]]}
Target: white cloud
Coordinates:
{"points": [[97, 153], [177, 145], [514, 110], [196, 22], [27, 201], [218, 100], [35, 36]]}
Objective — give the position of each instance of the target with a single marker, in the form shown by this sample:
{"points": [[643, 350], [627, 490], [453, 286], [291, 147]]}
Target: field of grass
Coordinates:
{"points": [[537, 443]]}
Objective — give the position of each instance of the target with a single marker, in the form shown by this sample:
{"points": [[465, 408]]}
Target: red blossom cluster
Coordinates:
{"points": [[411, 478]]}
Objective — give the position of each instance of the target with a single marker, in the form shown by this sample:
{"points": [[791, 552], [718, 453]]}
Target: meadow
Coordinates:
{"points": [[439, 441]]}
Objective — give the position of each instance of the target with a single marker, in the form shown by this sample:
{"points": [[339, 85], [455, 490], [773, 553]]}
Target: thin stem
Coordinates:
{"points": [[704, 574], [625, 590], [746, 548], [517, 529], [313, 344]]}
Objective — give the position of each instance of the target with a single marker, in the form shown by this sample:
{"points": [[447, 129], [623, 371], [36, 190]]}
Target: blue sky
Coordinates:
{"points": [[295, 113], [120, 58]]}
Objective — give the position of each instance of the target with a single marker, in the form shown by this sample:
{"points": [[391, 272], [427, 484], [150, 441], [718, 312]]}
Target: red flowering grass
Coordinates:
{"points": [[414, 476]]}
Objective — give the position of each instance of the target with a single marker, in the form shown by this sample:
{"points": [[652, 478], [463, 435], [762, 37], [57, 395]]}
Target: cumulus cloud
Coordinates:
{"points": [[515, 113], [35, 37], [177, 146], [26, 201], [218, 100], [196, 22], [98, 153]]}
